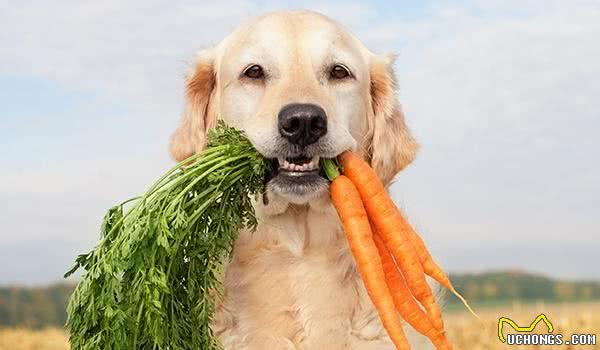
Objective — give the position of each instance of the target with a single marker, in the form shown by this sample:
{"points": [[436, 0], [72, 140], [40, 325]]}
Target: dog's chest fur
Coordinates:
{"points": [[292, 284]]}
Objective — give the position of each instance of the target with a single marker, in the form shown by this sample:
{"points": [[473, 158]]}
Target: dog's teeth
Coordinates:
{"points": [[308, 166], [314, 163]]}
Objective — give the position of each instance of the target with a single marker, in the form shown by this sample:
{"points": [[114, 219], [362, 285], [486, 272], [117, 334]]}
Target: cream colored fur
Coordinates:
{"points": [[292, 284]]}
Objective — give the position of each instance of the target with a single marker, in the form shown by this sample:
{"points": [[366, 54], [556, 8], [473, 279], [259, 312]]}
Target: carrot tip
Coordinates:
{"points": [[459, 296]]}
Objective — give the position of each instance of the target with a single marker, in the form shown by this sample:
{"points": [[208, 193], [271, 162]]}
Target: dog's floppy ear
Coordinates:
{"points": [[190, 136], [390, 144]]}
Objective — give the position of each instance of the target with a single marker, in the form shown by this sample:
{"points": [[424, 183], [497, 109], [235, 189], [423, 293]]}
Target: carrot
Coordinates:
{"points": [[394, 230], [404, 301], [353, 216], [355, 165], [432, 269]]}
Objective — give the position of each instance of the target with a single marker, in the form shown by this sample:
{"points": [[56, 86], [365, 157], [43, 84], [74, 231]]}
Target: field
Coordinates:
{"points": [[22, 339], [465, 332]]}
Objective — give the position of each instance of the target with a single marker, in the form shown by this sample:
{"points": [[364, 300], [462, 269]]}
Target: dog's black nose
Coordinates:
{"points": [[302, 124]]}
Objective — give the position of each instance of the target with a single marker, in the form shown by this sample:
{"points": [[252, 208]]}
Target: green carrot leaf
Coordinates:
{"points": [[153, 280]]}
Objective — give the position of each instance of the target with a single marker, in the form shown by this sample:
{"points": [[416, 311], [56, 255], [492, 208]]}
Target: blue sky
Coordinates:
{"points": [[501, 95]]}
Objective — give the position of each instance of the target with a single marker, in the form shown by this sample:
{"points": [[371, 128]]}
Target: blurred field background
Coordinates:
{"points": [[31, 317], [27, 339], [466, 332]]}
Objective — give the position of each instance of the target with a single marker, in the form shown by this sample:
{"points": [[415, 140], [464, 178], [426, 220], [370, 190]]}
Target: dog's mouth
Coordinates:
{"points": [[297, 176], [301, 166], [298, 166]]}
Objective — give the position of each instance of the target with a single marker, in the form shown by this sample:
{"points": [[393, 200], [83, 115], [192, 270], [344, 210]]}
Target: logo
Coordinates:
{"points": [[529, 329], [525, 335]]}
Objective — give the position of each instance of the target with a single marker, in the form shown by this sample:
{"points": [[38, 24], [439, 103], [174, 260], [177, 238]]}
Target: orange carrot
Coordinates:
{"points": [[353, 216], [432, 269], [405, 303], [394, 230]]}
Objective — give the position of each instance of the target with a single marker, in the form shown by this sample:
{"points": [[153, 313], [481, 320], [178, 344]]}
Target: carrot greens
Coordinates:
{"points": [[153, 280]]}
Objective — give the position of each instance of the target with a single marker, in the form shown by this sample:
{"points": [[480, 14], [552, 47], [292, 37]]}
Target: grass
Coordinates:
{"points": [[465, 332]]}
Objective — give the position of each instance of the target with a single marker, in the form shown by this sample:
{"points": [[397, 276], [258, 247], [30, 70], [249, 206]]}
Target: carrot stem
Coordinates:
{"points": [[331, 168]]}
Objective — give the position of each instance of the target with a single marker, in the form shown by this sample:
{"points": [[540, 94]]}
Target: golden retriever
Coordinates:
{"points": [[301, 87]]}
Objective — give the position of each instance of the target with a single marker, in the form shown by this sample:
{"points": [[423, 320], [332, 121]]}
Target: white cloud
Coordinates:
{"points": [[135, 49], [67, 201], [506, 109]]}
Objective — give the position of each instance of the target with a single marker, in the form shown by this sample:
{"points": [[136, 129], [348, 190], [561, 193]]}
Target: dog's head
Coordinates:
{"points": [[302, 88]]}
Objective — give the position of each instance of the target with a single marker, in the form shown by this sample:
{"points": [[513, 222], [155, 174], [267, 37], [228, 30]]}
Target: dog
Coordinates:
{"points": [[302, 88]]}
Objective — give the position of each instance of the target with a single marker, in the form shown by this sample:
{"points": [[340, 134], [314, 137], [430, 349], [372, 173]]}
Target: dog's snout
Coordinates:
{"points": [[302, 123]]}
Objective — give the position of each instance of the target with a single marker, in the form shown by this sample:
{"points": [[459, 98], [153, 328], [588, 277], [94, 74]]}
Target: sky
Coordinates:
{"points": [[503, 97]]}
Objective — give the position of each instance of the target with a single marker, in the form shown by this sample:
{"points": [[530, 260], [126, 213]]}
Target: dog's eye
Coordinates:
{"points": [[339, 72], [254, 72]]}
